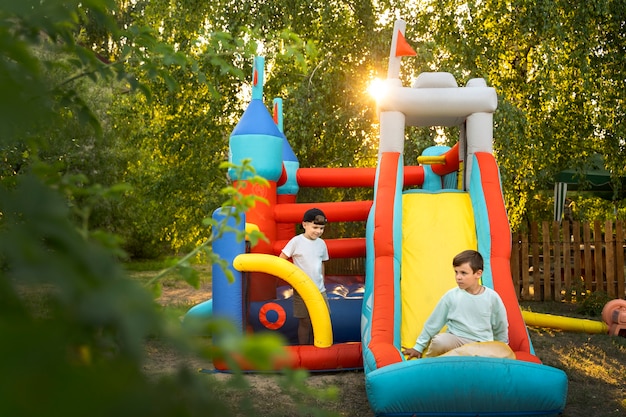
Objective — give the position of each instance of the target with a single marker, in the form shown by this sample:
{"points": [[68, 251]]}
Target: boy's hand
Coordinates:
{"points": [[411, 353]]}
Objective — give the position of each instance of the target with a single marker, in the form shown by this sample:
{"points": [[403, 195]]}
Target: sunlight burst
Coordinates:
{"points": [[377, 88]]}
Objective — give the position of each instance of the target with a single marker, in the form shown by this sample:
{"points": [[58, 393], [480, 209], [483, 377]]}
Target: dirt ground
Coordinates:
{"points": [[161, 358], [182, 294], [573, 352], [270, 399]]}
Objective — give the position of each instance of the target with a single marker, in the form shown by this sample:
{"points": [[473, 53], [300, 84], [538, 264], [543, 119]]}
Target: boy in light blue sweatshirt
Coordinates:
{"points": [[471, 311]]}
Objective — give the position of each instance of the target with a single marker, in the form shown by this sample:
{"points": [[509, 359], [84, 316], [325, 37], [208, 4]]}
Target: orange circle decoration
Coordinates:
{"points": [[278, 310]]}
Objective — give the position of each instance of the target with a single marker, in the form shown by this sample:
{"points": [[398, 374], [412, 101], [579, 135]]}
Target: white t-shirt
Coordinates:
{"points": [[308, 255]]}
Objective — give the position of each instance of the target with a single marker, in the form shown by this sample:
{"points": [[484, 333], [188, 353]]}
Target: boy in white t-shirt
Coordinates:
{"points": [[308, 252]]}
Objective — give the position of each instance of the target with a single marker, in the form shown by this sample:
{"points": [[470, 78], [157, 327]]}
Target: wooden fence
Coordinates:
{"points": [[559, 261]]}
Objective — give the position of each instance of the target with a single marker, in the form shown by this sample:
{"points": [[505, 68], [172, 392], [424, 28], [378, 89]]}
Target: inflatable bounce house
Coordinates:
{"points": [[412, 236], [421, 216]]}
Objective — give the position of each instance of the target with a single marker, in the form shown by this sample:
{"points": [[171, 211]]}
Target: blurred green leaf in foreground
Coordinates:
{"points": [[73, 325]]}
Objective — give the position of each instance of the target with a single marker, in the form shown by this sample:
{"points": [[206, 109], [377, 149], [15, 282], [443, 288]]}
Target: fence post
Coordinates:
{"points": [[545, 238], [558, 270], [578, 255], [567, 257], [598, 255], [610, 265], [534, 241], [619, 258], [588, 264]]}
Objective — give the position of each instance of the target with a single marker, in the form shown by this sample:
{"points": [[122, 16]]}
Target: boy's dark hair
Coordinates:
{"points": [[470, 256]]}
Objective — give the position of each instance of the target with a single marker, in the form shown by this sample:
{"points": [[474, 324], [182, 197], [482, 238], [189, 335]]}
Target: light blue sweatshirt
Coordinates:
{"points": [[481, 317]]}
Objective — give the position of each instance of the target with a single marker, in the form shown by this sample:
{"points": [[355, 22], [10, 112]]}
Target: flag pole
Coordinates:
{"points": [[393, 70]]}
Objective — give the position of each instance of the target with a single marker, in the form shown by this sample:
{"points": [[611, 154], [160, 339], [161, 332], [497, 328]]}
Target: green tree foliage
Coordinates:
{"points": [[73, 324], [557, 71], [556, 68], [174, 143]]}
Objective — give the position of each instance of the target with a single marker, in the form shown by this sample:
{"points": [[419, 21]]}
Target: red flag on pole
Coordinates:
{"points": [[402, 46]]}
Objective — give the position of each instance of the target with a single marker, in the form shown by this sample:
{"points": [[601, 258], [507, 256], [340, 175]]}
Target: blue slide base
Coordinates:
{"points": [[466, 386]]}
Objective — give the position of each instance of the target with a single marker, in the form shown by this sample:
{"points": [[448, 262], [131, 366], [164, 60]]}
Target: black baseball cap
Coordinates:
{"points": [[315, 215]]}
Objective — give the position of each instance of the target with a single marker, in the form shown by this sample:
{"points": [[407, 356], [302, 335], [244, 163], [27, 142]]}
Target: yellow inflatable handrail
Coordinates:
{"points": [[431, 160], [564, 323], [300, 281]]}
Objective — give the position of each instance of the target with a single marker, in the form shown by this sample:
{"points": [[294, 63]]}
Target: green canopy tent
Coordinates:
{"points": [[593, 178]]}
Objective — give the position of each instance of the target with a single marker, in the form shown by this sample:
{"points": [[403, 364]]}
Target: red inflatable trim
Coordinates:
{"points": [[382, 332], [501, 254], [340, 356], [354, 177], [451, 162]]}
